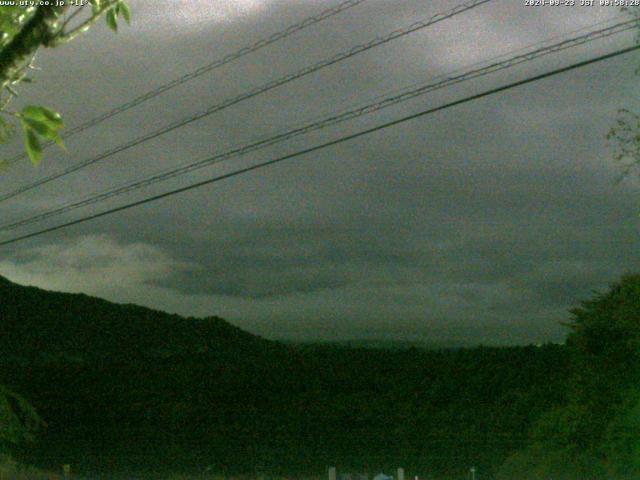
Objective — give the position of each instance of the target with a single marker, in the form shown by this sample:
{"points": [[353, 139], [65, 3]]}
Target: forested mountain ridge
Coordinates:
{"points": [[124, 388], [51, 324]]}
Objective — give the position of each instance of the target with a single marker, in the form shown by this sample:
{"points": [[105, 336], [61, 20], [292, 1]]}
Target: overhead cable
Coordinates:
{"points": [[378, 41], [324, 145], [328, 122], [231, 57]]}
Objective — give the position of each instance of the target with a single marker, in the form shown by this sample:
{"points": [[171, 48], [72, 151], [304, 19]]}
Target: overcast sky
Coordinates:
{"points": [[483, 223]]}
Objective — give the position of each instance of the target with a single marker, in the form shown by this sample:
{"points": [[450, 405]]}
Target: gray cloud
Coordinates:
{"points": [[482, 223]]}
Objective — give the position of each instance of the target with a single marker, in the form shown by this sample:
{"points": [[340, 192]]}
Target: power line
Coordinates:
{"points": [[231, 57], [378, 41], [322, 146], [331, 121]]}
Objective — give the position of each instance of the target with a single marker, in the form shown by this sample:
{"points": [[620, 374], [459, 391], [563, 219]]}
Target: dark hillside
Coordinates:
{"points": [[52, 324], [126, 388]]}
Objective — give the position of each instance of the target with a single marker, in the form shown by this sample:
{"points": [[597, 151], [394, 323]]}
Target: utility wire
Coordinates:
{"points": [[331, 121], [511, 53], [231, 57], [252, 93], [322, 146]]}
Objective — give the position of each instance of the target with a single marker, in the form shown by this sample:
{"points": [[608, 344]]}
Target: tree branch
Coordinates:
{"points": [[39, 31], [65, 37]]}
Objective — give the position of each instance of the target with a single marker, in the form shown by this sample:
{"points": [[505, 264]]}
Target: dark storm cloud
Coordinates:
{"points": [[482, 223], [286, 260]]}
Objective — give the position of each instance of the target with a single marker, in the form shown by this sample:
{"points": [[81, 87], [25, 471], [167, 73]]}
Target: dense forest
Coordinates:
{"points": [[122, 389]]}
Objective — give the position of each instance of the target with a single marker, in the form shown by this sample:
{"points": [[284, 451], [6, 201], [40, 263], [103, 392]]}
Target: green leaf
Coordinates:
{"points": [[125, 11], [41, 128], [45, 130], [58, 140], [96, 6], [53, 117], [41, 121], [112, 19], [34, 148], [42, 114]]}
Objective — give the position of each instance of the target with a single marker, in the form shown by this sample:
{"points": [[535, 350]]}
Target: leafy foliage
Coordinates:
{"points": [[40, 122], [624, 136], [12, 19], [596, 434], [24, 31]]}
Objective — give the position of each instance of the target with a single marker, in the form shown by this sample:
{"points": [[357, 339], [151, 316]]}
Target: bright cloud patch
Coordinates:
{"points": [[196, 14], [93, 264]]}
